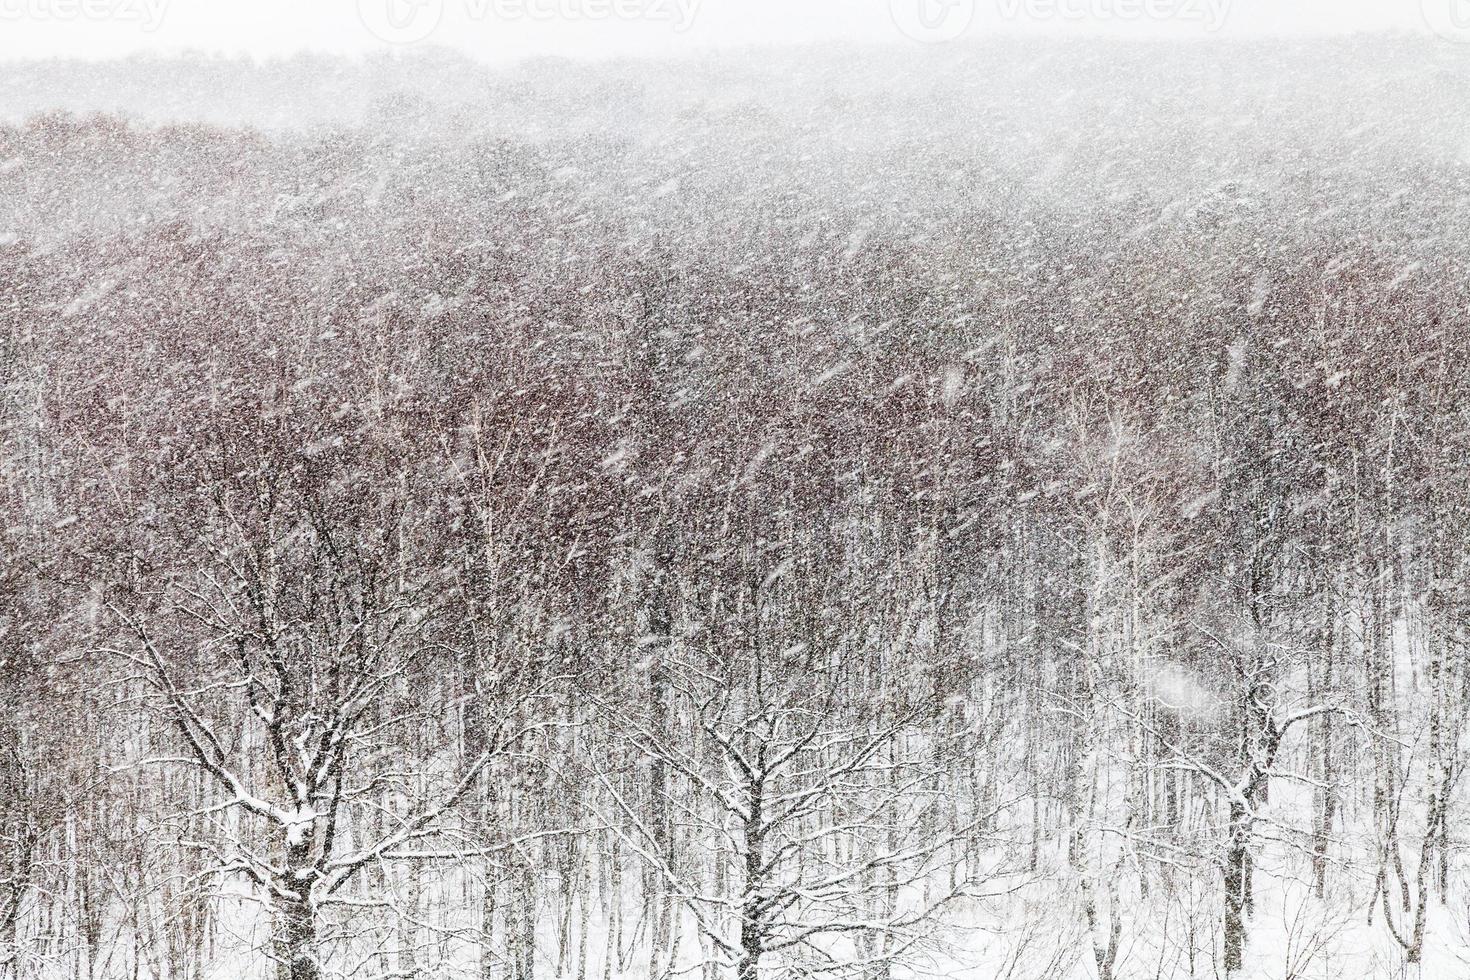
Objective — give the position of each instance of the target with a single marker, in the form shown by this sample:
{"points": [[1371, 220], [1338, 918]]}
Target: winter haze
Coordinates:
{"points": [[703, 490]]}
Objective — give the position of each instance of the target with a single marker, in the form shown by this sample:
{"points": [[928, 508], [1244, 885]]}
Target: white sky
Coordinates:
{"points": [[496, 29]]}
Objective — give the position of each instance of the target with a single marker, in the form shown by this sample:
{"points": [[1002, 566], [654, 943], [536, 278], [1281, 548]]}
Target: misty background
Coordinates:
{"points": [[457, 471]]}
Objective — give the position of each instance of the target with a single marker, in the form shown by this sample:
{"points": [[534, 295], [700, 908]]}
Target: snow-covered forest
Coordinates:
{"points": [[998, 512]]}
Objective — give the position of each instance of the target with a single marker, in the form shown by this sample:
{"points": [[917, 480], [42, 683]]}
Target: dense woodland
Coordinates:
{"points": [[998, 513]]}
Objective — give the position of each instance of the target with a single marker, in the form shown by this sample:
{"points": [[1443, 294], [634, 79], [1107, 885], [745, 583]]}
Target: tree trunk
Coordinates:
{"points": [[487, 925], [9, 947], [408, 939], [660, 625], [750, 951], [752, 911], [296, 941], [1236, 858]]}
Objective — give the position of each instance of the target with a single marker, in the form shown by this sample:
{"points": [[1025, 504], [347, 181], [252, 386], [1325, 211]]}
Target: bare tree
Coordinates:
{"points": [[817, 808], [316, 626]]}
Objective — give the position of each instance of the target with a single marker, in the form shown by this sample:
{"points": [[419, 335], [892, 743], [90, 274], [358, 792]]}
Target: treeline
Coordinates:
{"points": [[444, 554]]}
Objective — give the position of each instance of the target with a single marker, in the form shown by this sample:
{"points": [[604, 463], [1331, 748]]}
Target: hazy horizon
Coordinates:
{"points": [[501, 30]]}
